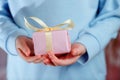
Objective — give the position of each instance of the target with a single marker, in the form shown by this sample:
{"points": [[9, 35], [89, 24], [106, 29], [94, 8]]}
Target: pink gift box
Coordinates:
{"points": [[60, 42]]}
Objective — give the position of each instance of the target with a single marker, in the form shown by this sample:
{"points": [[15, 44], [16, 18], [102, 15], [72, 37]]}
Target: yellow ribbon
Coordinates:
{"points": [[48, 29]]}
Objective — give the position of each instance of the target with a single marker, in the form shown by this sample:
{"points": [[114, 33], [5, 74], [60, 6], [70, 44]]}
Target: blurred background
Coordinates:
{"points": [[112, 51], [3, 60]]}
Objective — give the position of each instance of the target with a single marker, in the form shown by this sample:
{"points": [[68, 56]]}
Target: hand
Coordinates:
{"points": [[24, 46], [77, 50]]}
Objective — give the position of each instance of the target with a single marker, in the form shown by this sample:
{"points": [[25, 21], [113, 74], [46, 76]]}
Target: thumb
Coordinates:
{"points": [[78, 49], [26, 50], [75, 52]]}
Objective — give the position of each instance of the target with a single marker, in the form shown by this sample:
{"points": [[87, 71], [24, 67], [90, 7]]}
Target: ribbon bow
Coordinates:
{"points": [[46, 28]]}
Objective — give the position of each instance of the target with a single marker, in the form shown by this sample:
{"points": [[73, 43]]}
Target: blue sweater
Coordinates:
{"points": [[96, 22]]}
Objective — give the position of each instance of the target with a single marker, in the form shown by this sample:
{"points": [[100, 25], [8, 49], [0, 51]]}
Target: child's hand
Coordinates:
{"points": [[77, 51], [24, 46]]}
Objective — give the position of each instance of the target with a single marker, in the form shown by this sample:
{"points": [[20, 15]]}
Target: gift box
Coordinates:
{"points": [[55, 38], [60, 42]]}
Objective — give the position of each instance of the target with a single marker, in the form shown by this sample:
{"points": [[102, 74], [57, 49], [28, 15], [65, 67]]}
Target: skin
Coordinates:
{"points": [[24, 46]]}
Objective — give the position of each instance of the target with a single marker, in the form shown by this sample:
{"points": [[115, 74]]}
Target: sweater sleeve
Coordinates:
{"points": [[9, 31], [100, 30]]}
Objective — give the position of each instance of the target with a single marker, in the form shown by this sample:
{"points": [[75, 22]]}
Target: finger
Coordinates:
{"points": [[21, 53], [29, 59], [32, 58], [38, 60], [24, 47], [70, 61], [63, 62], [53, 58], [48, 62]]}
